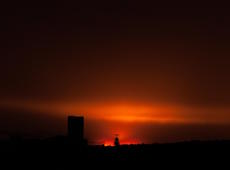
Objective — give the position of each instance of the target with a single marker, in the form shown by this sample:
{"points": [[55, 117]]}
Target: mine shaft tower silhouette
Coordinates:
{"points": [[76, 128]]}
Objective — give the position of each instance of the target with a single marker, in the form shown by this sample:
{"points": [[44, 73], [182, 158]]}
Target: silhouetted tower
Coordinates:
{"points": [[76, 128], [116, 140]]}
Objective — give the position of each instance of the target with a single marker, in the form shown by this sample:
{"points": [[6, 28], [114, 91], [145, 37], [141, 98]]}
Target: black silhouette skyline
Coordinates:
{"points": [[72, 150]]}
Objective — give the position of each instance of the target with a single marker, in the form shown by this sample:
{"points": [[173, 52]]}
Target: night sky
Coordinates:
{"points": [[147, 72]]}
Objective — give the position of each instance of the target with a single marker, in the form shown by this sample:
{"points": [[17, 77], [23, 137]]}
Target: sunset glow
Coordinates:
{"points": [[132, 112], [113, 82], [126, 119], [158, 77]]}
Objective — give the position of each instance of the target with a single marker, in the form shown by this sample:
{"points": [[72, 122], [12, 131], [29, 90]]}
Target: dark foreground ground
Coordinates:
{"points": [[67, 154]]}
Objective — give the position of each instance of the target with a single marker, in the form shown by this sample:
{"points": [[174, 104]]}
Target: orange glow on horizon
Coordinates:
{"points": [[125, 118], [130, 112], [110, 142]]}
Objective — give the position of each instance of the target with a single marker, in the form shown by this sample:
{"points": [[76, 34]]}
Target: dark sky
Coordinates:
{"points": [[108, 53]]}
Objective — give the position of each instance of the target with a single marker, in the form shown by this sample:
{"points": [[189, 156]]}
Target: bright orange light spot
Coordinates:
{"points": [[108, 143], [122, 142]]}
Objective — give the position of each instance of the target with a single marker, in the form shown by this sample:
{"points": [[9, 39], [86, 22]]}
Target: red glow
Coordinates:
{"points": [[108, 143], [124, 142]]}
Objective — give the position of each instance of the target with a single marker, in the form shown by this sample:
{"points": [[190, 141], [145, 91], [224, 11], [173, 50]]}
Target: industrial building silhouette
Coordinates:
{"points": [[76, 128]]}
